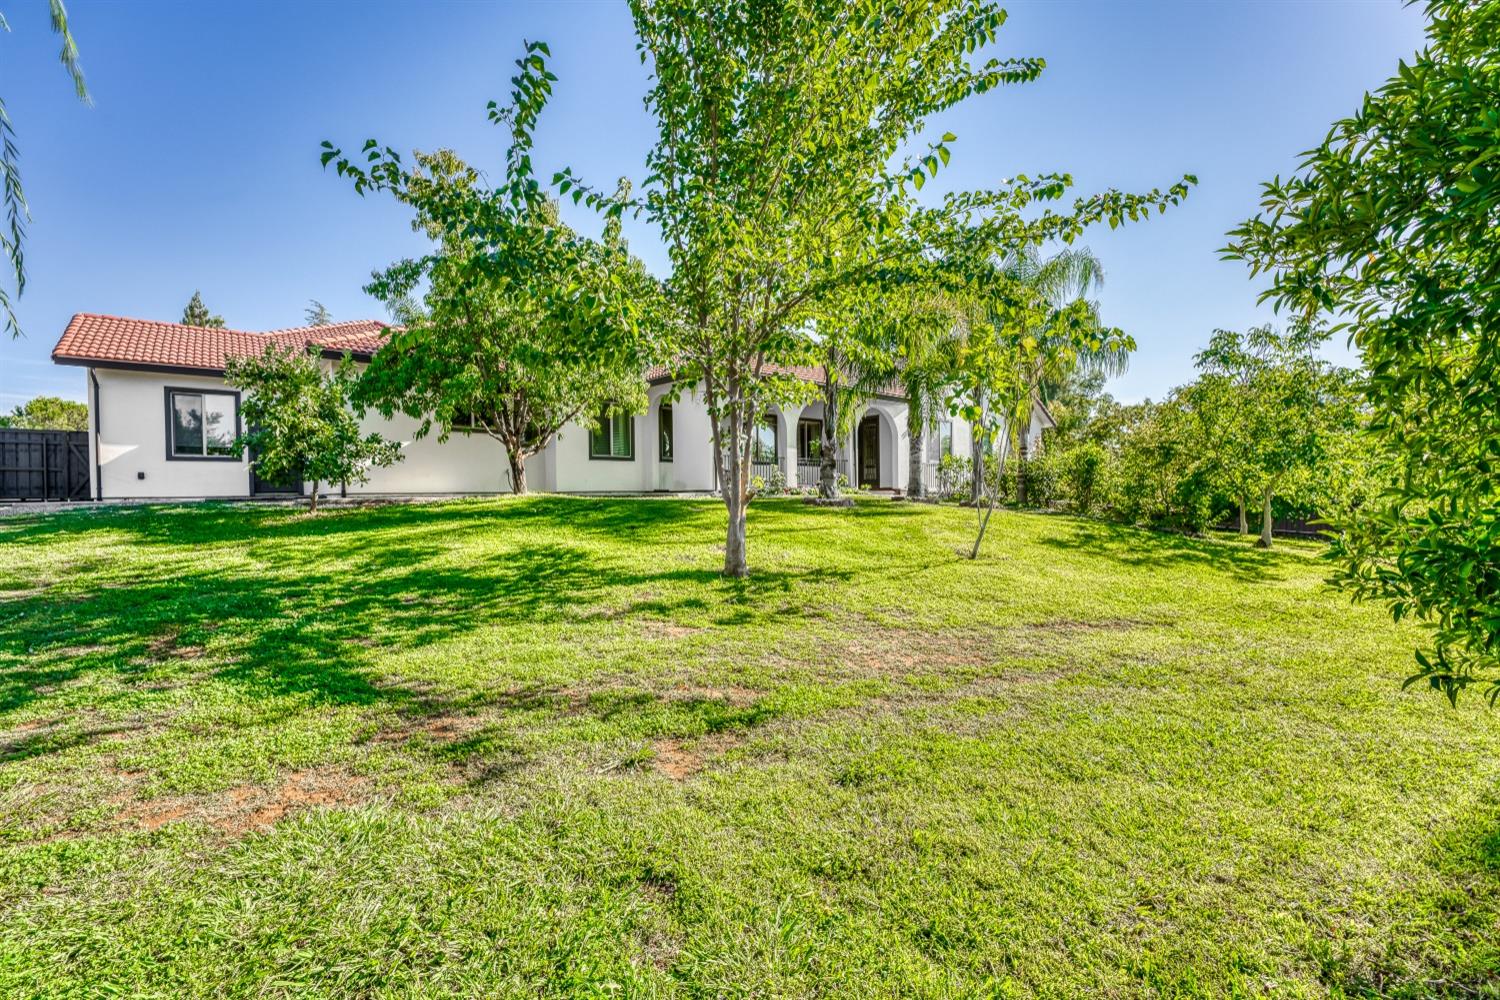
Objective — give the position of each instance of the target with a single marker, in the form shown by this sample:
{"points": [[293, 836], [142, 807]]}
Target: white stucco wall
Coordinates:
{"points": [[132, 455], [132, 449], [133, 442]]}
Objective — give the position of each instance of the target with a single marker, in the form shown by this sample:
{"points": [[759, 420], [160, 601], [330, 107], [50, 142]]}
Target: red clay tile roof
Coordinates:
{"points": [[658, 374], [114, 340]]}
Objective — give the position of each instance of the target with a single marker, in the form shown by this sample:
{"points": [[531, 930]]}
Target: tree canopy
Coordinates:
{"points": [[195, 313], [298, 420], [48, 413], [515, 325], [789, 155], [1391, 227]]}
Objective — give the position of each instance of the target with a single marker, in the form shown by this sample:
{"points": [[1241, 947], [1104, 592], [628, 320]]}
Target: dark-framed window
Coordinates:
{"points": [[614, 437], [468, 422], [664, 430], [809, 440], [763, 449], [202, 424], [939, 440]]}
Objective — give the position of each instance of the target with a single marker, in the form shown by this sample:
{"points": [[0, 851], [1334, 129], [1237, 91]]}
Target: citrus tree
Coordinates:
{"points": [[1392, 227], [299, 424]]}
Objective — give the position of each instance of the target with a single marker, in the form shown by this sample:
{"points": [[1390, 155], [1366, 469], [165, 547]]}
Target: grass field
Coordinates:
{"points": [[538, 747]]}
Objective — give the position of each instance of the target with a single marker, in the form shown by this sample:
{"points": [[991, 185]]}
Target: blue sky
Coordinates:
{"points": [[197, 166]]}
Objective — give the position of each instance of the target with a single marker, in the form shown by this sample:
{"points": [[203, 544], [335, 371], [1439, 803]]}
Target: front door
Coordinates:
{"points": [[869, 451]]}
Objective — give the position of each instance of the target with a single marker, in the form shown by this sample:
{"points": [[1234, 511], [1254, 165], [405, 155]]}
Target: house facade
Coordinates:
{"points": [[162, 421]]}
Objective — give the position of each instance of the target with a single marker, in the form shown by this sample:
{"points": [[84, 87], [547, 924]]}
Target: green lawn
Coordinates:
{"points": [[539, 748]]}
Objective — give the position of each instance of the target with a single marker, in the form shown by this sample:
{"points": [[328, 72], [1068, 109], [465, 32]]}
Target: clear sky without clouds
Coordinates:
{"points": [[197, 166]]}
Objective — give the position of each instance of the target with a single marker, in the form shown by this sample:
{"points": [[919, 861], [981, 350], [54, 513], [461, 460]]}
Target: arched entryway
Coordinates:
{"points": [[867, 452]]}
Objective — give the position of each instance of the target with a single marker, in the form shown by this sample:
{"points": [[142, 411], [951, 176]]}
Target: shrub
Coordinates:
{"points": [[955, 474], [1083, 472]]}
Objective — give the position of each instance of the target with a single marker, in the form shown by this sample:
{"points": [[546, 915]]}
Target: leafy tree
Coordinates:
{"points": [[788, 156], [1004, 362], [48, 413], [843, 341], [1390, 227], [195, 313], [1064, 281], [1163, 478], [13, 237], [317, 313], [525, 325], [1260, 405], [299, 420]]}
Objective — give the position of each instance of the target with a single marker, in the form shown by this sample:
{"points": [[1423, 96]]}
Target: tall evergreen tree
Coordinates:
{"points": [[195, 313], [317, 313]]}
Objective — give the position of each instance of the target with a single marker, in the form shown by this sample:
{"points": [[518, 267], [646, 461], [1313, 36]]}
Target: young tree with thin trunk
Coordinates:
{"points": [[789, 151], [1261, 402], [525, 326], [1004, 363], [299, 423]]}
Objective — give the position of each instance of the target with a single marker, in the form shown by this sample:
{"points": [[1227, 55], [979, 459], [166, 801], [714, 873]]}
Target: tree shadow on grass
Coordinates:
{"points": [[1140, 548], [312, 619]]}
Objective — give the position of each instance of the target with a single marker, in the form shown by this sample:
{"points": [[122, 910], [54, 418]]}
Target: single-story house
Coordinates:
{"points": [[162, 421]]}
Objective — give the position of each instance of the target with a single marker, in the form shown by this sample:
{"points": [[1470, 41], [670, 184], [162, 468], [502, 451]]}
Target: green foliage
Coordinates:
{"points": [[1083, 473], [790, 150], [1263, 411], [298, 420], [954, 476], [1389, 226], [48, 413], [195, 313], [524, 324], [1162, 480], [13, 236], [317, 313]]}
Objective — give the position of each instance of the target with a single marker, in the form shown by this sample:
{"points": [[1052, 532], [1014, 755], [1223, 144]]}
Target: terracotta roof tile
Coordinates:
{"points": [[96, 339]]}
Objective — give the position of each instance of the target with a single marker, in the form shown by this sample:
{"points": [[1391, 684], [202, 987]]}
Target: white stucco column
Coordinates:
{"points": [[788, 456]]}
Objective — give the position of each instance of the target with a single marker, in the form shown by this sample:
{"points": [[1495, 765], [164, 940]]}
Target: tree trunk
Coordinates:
{"points": [[828, 473], [1265, 521], [733, 441], [735, 564], [1021, 469], [976, 455], [312, 501], [517, 472], [988, 509], [1244, 522], [915, 436]]}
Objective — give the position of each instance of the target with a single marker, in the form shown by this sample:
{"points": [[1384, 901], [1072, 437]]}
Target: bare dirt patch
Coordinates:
{"points": [[654, 629], [165, 646], [245, 808], [903, 650], [681, 759]]}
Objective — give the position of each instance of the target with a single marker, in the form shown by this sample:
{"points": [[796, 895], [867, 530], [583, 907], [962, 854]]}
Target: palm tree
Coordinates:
{"points": [[14, 234], [1064, 281]]}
